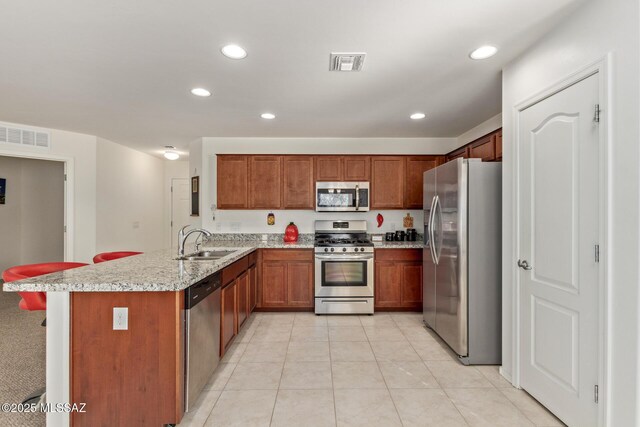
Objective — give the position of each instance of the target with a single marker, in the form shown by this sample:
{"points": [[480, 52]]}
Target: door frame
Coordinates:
{"points": [[171, 182], [602, 68], [69, 202]]}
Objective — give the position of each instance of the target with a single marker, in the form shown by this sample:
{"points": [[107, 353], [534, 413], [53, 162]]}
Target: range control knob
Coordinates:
{"points": [[344, 249], [326, 249], [361, 249], [332, 249], [355, 249]]}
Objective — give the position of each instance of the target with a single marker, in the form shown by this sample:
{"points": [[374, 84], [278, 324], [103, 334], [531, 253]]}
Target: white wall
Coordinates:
{"points": [[203, 152], [42, 211], [172, 169], [597, 28], [130, 199], [79, 151], [32, 220], [481, 130], [11, 170]]}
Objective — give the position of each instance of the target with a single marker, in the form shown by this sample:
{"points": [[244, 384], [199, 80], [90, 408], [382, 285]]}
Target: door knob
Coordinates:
{"points": [[524, 265]]}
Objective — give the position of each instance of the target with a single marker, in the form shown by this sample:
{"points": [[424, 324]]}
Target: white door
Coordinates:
{"points": [[180, 193], [559, 202]]}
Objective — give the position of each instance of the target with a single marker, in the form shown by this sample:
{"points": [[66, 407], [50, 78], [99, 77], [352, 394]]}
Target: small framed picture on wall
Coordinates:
{"points": [[3, 190], [195, 196]]}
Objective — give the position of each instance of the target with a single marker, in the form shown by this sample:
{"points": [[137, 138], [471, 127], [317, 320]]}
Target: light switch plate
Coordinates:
{"points": [[120, 318]]}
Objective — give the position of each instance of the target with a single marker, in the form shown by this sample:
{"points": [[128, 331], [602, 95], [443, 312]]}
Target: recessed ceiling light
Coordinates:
{"points": [[268, 116], [198, 91], [417, 116], [234, 51], [483, 52]]}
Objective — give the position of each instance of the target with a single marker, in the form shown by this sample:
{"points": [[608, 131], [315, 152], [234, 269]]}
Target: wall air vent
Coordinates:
{"points": [[345, 61], [11, 134]]}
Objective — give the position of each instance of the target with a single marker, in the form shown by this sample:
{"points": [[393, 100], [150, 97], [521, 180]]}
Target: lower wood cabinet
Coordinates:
{"points": [[242, 295], [253, 288], [398, 279], [228, 328], [287, 278]]}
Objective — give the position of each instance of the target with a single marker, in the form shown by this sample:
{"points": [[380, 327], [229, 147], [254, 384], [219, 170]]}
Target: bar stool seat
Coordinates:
{"points": [[109, 256], [35, 300]]}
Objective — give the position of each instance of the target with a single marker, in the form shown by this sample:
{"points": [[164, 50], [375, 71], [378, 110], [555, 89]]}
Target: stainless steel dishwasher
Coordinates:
{"points": [[202, 338]]}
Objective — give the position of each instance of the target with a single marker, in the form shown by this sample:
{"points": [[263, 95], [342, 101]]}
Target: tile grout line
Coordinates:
{"points": [[333, 389]]}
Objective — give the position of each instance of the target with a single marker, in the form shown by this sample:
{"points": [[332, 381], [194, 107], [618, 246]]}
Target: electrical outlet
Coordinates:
{"points": [[120, 318]]}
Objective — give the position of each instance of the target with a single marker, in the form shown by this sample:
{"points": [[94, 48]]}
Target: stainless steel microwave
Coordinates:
{"points": [[342, 196]]}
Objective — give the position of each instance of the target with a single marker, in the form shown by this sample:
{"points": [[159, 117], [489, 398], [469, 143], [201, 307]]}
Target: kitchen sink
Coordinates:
{"points": [[205, 255]]}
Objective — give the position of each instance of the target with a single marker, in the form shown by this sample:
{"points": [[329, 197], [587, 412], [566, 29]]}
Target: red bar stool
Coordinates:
{"points": [[35, 300], [109, 256]]}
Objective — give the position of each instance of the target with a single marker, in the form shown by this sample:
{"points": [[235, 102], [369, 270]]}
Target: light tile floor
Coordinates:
{"points": [[299, 369]]}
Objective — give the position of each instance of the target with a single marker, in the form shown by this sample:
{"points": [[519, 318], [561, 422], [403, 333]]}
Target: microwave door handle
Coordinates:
{"points": [[357, 197]]}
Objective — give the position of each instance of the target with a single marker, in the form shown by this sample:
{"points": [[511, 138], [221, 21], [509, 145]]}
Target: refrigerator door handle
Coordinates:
{"points": [[436, 205], [430, 226]]}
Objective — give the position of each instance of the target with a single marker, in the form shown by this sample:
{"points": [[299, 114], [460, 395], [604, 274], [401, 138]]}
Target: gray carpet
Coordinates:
{"points": [[22, 358]]}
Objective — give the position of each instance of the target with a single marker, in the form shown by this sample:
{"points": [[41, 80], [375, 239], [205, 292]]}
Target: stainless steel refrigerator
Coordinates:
{"points": [[462, 258]]}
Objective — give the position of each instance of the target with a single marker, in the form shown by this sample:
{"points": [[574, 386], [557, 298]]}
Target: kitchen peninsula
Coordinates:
{"points": [[140, 370]]}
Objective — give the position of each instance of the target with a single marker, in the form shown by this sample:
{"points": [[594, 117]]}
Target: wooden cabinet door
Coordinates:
{"points": [[415, 168], [499, 145], [242, 298], [299, 191], [484, 149], [228, 317], [357, 168], [300, 284], [253, 288], [274, 284], [265, 183], [411, 292], [329, 168], [460, 152], [387, 182], [388, 279], [233, 180]]}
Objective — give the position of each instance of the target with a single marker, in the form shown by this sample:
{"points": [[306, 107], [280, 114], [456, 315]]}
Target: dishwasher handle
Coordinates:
{"points": [[197, 292]]}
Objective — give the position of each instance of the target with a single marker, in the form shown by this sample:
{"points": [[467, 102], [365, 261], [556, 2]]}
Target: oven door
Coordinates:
{"points": [[342, 197], [347, 275]]}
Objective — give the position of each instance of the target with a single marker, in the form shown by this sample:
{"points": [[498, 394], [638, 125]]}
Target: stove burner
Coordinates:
{"points": [[324, 240]]}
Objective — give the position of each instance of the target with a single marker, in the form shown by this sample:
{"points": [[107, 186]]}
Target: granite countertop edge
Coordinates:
{"points": [[159, 271]]}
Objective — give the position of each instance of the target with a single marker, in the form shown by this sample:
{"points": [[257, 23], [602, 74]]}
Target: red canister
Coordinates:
{"points": [[291, 233]]}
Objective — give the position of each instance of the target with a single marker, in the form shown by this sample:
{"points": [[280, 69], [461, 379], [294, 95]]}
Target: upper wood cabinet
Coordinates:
{"points": [[343, 168], [415, 167], [233, 181], [265, 185], [387, 182], [488, 148], [356, 168], [299, 191], [484, 149], [460, 152], [499, 145], [329, 168]]}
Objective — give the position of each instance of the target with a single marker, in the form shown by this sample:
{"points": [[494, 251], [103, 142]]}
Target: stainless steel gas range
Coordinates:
{"points": [[344, 268]]}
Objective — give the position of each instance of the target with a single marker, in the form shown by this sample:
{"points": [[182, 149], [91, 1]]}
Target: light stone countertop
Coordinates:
{"points": [[148, 272], [159, 270]]}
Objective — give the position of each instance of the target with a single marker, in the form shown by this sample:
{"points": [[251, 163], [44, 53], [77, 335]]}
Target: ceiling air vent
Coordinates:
{"points": [[14, 135], [344, 61]]}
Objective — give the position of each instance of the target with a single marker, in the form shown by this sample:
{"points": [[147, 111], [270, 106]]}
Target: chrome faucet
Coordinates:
{"points": [[182, 237]]}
